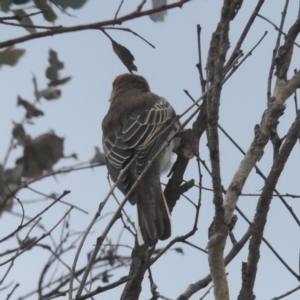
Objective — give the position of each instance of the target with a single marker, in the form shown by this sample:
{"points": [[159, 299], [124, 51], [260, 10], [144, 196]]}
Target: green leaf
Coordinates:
{"points": [[55, 65], [52, 72], [5, 4], [10, 56], [48, 12], [24, 20], [54, 61], [57, 81], [75, 4]]}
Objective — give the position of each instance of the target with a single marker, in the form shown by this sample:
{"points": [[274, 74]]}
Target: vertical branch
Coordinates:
{"points": [[215, 69], [275, 51], [139, 265], [173, 189], [237, 48], [199, 64], [283, 90], [260, 219]]}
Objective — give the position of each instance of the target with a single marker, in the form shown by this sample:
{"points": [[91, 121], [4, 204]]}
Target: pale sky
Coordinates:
{"points": [[169, 68]]}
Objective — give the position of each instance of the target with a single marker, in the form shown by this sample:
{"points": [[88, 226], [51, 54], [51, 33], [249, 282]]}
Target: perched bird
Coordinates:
{"points": [[137, 126]]}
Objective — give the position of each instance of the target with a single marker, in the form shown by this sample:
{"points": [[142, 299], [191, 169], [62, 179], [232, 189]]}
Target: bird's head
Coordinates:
{"points": [[128, 82]]}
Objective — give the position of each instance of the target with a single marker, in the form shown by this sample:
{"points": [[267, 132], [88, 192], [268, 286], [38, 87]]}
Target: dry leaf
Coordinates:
{"points": [[19, 134], [41, 154], [31, 110], [98, 158], [125, 56]]}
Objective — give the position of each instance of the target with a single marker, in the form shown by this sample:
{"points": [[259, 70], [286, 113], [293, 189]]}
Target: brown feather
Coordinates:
{"points": [[137, 123]]}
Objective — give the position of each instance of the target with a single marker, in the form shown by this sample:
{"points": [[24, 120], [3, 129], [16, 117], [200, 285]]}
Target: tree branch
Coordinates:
{"points": [[215, 69], [260, 219], [61, 29]]}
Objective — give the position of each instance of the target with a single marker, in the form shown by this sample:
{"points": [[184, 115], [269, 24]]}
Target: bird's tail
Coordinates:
{"points": [[153, 215]]}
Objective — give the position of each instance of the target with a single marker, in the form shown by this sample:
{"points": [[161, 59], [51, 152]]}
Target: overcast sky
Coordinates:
{"points": [[169, 68]]}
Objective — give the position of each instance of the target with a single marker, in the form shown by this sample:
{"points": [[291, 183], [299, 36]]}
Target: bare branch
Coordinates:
{"points": [[276, 27], [287, 293], [12, 291], [98, 25], [34, 218], [283, 90], [244, 33], [249, 270], [118, 10], [215, 69], [275, 51], [204, 282]]}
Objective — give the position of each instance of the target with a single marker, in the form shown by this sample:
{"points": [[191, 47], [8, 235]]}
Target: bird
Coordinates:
{"points": [[138, 125]]}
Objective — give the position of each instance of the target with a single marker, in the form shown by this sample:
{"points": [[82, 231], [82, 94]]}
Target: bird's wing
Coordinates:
{"points": [[117, 155], [142, 134], [146, 131]]}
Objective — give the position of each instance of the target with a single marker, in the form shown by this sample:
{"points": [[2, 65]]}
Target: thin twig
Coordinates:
{"points": [[272, 66], [235, 67], [51, 197], [12, 291], [277, 194], [200, 284], [131, 31], [19, 201], [30, 26], [260, 173], [35, 217], [118, 10], [206, 293], [97, 25], [18, 17], [140, 7], [244, 33], [199, 64], [18, 252], [123, 210], [276, 27], [287, 293], [194, 246]]}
